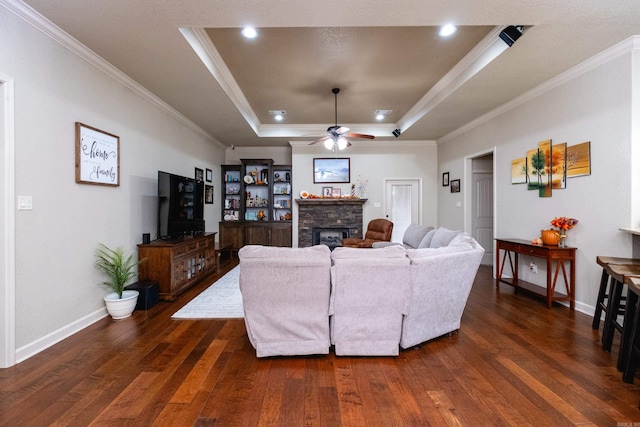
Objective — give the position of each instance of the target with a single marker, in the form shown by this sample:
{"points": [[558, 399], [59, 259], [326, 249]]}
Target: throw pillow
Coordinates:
{"points": [[442, 237], [426, 241], [414, 235]]}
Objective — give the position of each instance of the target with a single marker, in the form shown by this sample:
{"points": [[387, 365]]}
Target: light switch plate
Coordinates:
{"points": [[25, 203]]}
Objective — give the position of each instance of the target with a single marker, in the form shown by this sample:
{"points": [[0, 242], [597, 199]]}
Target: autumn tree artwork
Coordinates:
{"points": [[548, 166]]}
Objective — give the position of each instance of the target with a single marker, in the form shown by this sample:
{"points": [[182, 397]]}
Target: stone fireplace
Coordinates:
{"points": [[338, 215]]}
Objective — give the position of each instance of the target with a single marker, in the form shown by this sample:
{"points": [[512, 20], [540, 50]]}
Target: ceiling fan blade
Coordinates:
{"points": [[324, 138], [360, 135]]}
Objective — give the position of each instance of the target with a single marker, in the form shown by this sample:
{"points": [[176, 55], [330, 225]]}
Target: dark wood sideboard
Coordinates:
{"points": [[551, 254], [178, 264]]}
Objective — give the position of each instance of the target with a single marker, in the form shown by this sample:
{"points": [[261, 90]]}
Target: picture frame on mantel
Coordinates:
{"points": [[97, 156], [331, 170]]}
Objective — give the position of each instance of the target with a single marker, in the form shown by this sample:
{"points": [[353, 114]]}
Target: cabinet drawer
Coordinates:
{"points": [[533, 251], [179, 250], [508, 246]]}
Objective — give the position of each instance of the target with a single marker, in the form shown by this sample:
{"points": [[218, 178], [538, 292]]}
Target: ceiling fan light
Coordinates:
{"points": [[328, 144], [342, 143]]}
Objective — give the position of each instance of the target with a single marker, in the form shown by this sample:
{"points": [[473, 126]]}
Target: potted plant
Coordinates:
{"points": [[119, 269]]}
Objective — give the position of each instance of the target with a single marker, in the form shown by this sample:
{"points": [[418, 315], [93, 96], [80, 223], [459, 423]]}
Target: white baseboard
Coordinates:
{"points": [[35, 347]]}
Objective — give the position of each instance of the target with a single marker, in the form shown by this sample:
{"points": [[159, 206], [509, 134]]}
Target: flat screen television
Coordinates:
{"points": [[180, 206]]}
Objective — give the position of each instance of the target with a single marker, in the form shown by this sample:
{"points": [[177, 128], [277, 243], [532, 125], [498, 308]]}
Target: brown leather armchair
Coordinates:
{"points": [[378, 230]]}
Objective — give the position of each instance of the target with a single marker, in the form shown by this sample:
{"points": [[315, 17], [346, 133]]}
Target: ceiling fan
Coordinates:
{"points": [[337, 136]]}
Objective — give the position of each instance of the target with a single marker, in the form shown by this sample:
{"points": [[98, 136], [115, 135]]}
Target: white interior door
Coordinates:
{"points": [[402, 205], [482, 224]]}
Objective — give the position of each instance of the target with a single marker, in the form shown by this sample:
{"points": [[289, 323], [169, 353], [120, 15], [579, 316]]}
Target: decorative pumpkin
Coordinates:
{"points": [[550, 237]]}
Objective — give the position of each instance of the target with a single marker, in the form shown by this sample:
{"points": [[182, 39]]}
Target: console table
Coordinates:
{"points": [[552, 254]]}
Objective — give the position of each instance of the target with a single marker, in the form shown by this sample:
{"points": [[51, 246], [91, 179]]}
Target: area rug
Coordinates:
{"points": [[221, 300]]}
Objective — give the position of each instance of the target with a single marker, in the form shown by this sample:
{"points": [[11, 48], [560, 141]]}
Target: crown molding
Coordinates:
{"points": [[39, 22], [200, 42], [602, 58]]}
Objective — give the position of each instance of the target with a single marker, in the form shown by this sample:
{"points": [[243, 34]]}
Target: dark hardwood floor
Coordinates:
{"points": [[513, 363]]}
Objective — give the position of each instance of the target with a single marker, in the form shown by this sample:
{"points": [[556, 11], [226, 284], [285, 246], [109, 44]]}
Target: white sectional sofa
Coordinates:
{"points": [[375, 300]]}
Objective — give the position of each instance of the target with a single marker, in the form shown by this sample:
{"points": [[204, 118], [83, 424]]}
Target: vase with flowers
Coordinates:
{"points": [[563, 224]]}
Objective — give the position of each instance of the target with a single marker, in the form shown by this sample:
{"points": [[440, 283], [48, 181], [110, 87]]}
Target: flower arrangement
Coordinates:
{"points": [[361, 186], [563, 223]]}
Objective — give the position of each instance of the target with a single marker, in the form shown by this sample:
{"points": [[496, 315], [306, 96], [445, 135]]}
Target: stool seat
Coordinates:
{"points": [[619, 272], [603, 261]]}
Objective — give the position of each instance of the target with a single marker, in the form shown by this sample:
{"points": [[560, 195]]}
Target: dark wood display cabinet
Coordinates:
{"points": [[178, 264], [256, 204]]}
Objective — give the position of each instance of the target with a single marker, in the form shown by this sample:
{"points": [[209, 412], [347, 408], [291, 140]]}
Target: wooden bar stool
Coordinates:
{"points": [[603, 293], [617, 274], [632, 349]]}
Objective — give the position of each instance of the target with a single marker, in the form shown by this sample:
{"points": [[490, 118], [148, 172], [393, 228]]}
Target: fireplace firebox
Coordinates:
{"points": [[331, 237]]}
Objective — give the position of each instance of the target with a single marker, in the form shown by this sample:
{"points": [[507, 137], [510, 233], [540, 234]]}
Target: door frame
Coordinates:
{"points": [[7, 239], [468, 196]]}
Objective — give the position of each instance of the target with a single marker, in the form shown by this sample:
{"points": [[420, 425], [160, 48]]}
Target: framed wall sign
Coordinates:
{"points": [[209, 175], [97, 156], [331, 170]]}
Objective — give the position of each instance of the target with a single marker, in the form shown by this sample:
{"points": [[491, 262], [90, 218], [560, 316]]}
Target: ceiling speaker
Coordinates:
{"points": [[510, 34]]}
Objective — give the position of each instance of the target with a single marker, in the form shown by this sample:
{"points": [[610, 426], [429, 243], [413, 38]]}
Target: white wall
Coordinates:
{"points": [[374, 162], [56, 285], [589, 103]]}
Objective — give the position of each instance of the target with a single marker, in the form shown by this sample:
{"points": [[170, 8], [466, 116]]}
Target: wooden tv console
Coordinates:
{"points": [[178, 264]]}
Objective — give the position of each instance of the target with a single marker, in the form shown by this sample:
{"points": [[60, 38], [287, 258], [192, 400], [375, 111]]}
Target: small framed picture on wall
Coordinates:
{"points": [[455, 185], [199, 175], [208, 194], [445, 179], [209, 175]]}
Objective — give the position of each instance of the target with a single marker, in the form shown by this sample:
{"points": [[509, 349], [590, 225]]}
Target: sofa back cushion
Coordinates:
{"points": [[426, 240], [442, 237], [414, 235]]}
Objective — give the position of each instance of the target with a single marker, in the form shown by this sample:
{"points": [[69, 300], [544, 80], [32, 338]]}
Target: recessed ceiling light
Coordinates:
{"points": [[381, 114], [447, 30], [249, 32], [278, 114]]}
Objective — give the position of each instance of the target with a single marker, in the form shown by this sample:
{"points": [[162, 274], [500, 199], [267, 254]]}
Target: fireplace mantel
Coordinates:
{"points": [[328, 213], [328, 201]]}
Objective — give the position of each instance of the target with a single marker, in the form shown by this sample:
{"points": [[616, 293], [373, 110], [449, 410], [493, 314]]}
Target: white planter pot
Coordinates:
{"points": [[119, 308]]}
